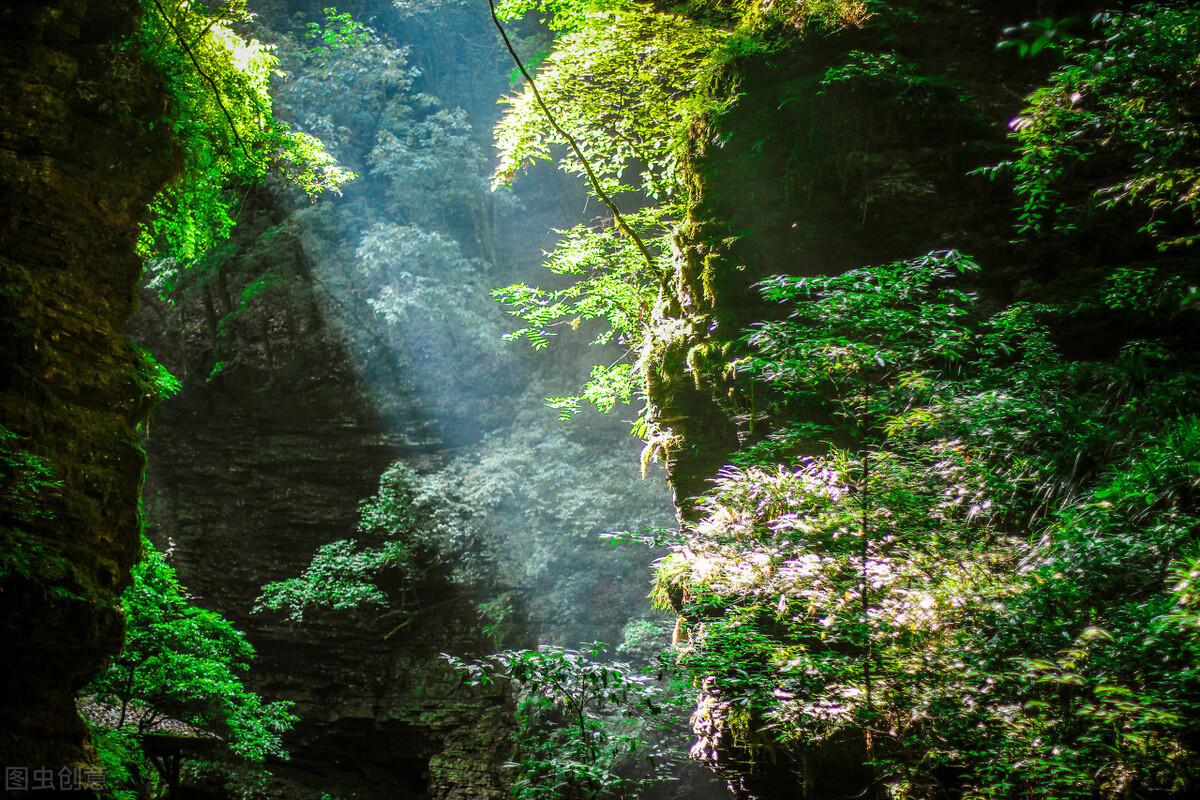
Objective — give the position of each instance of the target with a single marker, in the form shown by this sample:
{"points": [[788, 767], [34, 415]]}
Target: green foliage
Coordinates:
{"points": [[409, 261], [340, 576], [582, 722], [617, 85], [644, 641], [28, 487], [433, 166], [523, 508], [122, 760], [347, 54], [1033, 36], [423, 283], [848, 334], [759, 28], [624, 82], [560, 15], [988, 560], [339, 30], [186, 664], [610, 284], [409, 530], [545, 492], [629, 82], [26, 479], [220, 115], [1117, 120], [910, 94], [157, 382]]}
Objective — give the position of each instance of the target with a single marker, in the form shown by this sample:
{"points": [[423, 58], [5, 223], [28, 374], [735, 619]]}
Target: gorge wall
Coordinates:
{"points": [[812, 177], [250, 472], [78, 164]]}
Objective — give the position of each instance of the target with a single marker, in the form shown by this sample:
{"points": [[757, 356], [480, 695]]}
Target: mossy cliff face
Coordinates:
{"points": [[844, 149], [77, 167]]}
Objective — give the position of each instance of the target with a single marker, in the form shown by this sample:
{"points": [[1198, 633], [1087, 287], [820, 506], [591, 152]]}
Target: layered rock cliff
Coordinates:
{"points": [[251, 471], [78, 163]]}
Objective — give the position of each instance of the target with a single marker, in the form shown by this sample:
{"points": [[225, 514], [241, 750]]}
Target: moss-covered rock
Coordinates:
{"points": [[78, 163]]}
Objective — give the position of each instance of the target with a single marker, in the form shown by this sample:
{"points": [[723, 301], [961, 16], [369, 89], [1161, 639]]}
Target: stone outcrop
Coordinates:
{"points": [[807, 176], [78, 164]]}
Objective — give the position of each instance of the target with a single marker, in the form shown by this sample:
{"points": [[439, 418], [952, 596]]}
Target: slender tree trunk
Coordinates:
{"points": [[864, 582]]}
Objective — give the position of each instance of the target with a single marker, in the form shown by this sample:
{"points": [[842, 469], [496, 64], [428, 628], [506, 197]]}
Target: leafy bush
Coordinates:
{"points": [[581, 722], [409, 532], [1116, 119], [181, 666]]}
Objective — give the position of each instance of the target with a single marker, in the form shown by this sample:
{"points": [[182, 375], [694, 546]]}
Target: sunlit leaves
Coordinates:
{"points": [[617, 85], [774, 581], [612, 286], [339, 30], [220, 113], [620, 80], [560, 15], [1003, 535], [187, 663]]}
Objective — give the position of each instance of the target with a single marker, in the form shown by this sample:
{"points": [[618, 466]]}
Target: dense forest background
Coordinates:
{"points": [[902, 295]]}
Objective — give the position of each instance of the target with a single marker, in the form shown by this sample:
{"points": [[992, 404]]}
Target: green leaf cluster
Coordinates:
{"points": [[340, 30], [29, 484], [407, 532], [219, 110], [184, 664], [1117, 119], [628, 82], [581, 721]]}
